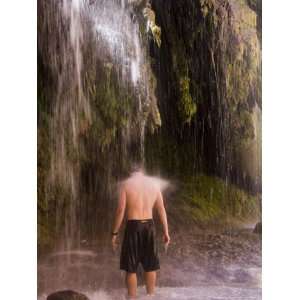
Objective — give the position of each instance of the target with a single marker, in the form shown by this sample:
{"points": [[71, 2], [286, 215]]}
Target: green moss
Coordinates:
{"points": [[155, 30], [243, 129], [187, 107], [208, 199], [45, 237], [112, 104]]}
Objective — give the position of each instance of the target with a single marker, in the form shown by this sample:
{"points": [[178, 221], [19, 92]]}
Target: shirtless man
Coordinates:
{"points": [[139, 195]]}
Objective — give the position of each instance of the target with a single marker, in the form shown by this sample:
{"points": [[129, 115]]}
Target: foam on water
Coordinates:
{"points": [[76, 252], [180, 293]]}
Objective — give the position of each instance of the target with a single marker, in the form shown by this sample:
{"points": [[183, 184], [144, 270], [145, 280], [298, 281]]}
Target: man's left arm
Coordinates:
{"points": [[120, 212]]}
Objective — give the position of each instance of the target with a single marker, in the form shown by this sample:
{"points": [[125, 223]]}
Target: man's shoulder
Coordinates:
{"points": [[126, 185], [123, 185]]}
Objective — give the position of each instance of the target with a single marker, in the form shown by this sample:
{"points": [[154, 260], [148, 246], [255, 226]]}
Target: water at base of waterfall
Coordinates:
{"points": [[204, 266], [181, 293]]}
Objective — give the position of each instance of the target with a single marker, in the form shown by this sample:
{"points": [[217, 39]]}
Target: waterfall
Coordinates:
{"points": [[101, 64], [77, 38]]}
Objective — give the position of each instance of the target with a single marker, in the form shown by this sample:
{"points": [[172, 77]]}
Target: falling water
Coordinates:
{"points": [[112, 33], [70, 107], [118, 29], [75, 36]]}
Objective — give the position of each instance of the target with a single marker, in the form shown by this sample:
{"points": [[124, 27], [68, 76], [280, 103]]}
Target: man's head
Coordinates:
{"points": [[136, 167]]}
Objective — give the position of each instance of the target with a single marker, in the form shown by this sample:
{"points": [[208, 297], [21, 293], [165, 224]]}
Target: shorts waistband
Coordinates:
{"points": [[142, 221]]}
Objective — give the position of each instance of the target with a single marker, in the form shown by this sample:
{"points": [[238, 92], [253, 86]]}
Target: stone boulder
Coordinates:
{"points": [[258, 228], [67, 295]]}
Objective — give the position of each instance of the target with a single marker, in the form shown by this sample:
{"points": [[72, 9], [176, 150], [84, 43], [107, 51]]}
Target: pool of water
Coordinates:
{"points": [[204, 267], [180, 293]]}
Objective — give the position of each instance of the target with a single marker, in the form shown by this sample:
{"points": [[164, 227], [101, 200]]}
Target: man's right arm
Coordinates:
{"points": [[159, 204]]}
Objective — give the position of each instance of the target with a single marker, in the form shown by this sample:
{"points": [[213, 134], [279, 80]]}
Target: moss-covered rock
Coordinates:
{"points": [[209, 76], [155, 30], [187, 106], [200, 83], [92, 114], [208, 199]]}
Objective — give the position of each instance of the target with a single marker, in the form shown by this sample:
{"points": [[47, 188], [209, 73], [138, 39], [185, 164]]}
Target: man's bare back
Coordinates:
{"points": [[141, 195]]}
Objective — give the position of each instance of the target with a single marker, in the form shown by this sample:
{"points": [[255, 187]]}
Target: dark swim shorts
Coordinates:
{"points": [[139, 246]]}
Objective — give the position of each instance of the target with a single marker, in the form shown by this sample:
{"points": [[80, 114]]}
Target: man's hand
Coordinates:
{"points": [[166, 239], [114, 243]]}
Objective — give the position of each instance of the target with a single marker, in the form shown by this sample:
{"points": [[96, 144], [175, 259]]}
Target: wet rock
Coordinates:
{"points": [[258, 228], [241, 276], [218, 273], [67, 295]]}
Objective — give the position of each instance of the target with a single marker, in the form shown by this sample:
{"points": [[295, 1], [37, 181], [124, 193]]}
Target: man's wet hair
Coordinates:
{"points": [[136, 167]]}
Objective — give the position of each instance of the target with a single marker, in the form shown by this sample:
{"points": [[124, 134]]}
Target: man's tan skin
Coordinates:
{"points": [[139, 196]]}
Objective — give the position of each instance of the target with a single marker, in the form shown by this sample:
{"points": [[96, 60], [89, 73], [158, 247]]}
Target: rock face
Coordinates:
{"points": [[258, 228], [177, 87], [94, 81], [67, 295], [208, 86]]}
